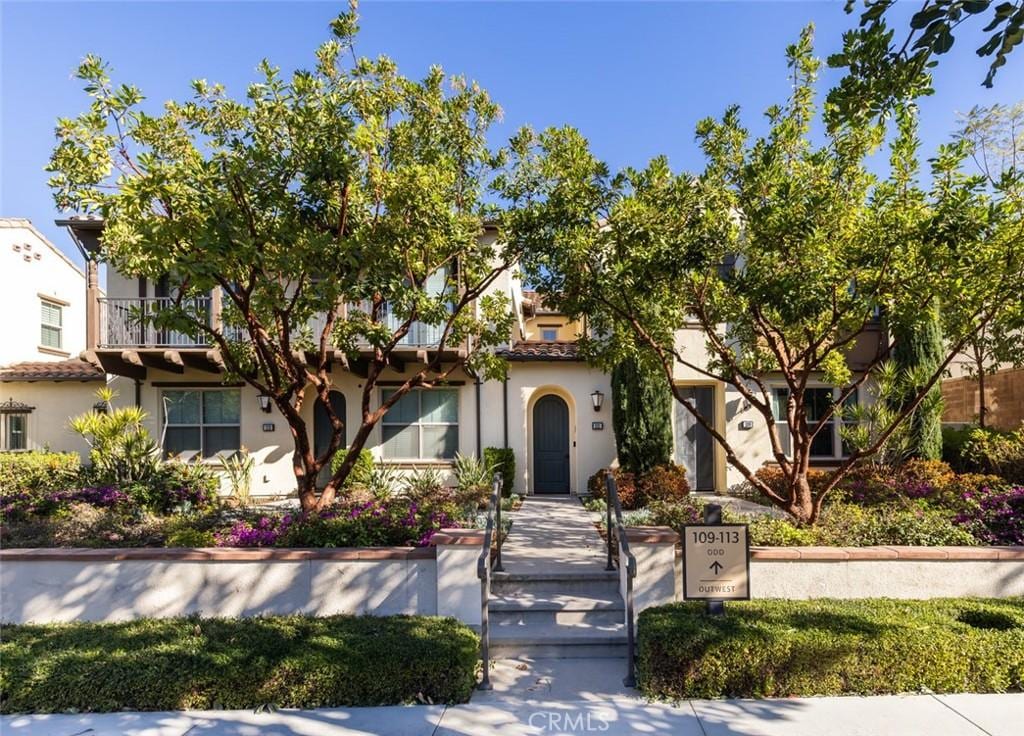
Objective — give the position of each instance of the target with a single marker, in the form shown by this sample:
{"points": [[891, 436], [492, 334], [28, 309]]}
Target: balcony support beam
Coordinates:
{"points": [[203, 360], [112, 361], [168, 360]]}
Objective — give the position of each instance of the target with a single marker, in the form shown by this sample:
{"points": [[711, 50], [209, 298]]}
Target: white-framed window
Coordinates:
{"points": [[422, 425], [51, 325], [828, 443], [15, 431], [202, 422]]}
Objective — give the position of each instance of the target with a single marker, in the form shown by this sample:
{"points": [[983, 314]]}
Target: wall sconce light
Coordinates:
{"points": [[100, 407], [598, 399], [264, 403]]}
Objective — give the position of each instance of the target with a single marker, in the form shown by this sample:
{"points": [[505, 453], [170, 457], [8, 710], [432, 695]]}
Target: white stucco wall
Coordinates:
{"points": [[589, 449], [55, 403], [31, 267], [63, 590]]}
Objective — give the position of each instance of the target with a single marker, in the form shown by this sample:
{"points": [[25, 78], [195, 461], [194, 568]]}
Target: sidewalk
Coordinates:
{"points": [[546, 713]]}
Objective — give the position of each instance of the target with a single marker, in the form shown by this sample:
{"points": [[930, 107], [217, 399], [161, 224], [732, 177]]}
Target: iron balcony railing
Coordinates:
{"points": [[127, 322], [420, 334]]}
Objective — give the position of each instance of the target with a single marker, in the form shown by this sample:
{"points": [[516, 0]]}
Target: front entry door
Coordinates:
{"points": [[551, 445], [695, 447], [322, 431]]}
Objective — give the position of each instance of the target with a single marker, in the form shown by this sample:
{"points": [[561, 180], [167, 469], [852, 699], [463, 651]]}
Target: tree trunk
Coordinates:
{"points": [[982, 407]]}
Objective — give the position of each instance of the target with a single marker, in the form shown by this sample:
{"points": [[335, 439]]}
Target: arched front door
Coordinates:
{"points": [[551, 445], [322, 430]]}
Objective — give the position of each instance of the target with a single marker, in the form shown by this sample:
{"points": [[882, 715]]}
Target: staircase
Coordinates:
{"points": [[555, 599]]}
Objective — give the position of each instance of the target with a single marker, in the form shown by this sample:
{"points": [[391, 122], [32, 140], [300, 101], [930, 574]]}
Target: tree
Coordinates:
{"points": [[334, 211], [994, 138], [790, 258], [919, 348], [885, 69], [641, 415]]}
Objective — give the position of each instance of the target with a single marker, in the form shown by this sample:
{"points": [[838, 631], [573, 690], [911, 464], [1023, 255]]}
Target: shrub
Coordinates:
{"points": [[625, 483], [769, 531], [192, 663], [913, 479], [502, 460], [362, 471], [849, 525], [176, 487], [473, 480], [775, 648], [771, 476], [38, 471], [676, 514], [994, 516], [191, 538], [997, 452], [641, 414], [121, 449], [662, 483]]}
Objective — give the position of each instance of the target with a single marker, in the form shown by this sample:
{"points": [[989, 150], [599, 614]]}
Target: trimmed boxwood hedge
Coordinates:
{"points": [[193, 663], [778, 648]]}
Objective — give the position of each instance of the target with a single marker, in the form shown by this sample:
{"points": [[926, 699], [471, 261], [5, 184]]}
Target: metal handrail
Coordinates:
{"points": [[483, 571], [613, 503]]}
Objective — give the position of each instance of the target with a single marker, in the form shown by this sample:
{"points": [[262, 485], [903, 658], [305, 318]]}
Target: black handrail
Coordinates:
{"points": [[483, 571], [619, 530]]}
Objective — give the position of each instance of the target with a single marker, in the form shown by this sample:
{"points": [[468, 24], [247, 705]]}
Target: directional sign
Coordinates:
{"points": [[716, 562]]}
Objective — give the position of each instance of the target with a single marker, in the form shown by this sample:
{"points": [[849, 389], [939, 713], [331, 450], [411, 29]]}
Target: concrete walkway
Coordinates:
{"points": [[904, 715], [552, 535]]}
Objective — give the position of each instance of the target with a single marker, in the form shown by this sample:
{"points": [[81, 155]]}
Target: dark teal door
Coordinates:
{"points": [[322, 431], [551, 445]]}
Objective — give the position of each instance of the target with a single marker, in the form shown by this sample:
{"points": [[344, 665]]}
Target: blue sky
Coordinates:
{"points": [[633, 77]]}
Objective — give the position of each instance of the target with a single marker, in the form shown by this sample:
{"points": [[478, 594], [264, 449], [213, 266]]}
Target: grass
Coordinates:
{"points": [[193, 663], [777, 648]]}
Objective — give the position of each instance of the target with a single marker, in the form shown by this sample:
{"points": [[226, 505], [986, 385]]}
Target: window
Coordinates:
{"points": [[14, 425], [422, 425], [828, 442], [202, 422], [52, 325], [549, 333]]}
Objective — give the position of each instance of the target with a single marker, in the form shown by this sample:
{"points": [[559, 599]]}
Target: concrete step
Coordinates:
{"points": [[597, 584], [558, 641], [555, 608]]}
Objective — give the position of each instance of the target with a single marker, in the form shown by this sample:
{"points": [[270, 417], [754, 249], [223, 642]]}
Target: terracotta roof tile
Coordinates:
{"points": [[540, 350], [62, 370]]}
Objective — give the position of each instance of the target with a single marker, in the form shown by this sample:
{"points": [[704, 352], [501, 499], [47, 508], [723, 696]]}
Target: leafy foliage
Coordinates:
{"points": [[38, 471], [641, 415], [336, 212], [121, 449], [785, 253], [773, 648], [192, 663], [503, 460]]}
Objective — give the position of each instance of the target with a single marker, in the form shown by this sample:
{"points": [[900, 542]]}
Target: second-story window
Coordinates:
{"points": [[202, 422], [51, 335], [549, 333], [422, 425]]}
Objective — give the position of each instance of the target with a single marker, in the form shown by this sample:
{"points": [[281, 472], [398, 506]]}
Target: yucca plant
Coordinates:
{"points": [[238, 468], [121, 450]]}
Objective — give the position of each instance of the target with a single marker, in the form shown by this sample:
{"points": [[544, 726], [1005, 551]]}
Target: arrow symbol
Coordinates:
{"points": [[716, 567]]}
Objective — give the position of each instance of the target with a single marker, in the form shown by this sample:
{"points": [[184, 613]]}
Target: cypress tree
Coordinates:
{"points": [[918, 353], [641, 416]]}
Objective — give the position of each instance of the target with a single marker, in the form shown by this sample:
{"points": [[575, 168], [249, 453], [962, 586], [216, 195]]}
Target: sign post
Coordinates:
{"points": [[716, 561]]}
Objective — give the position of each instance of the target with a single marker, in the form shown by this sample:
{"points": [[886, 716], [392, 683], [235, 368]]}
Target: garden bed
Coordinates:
{"points": [[193, 663], [830, 647]]}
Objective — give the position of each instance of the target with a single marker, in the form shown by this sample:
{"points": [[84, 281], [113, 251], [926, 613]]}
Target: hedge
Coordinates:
{"points": [[502, 460], [777, 648], [193, 663]]}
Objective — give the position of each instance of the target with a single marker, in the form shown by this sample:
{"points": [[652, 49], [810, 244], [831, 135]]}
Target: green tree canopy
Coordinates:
{"points": [[333, 209], [789, 256]]}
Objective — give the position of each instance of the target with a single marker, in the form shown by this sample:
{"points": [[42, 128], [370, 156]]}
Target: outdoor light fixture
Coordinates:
{"points": [[100, 407], [598, 398], [264, 403]]}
